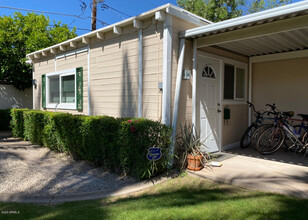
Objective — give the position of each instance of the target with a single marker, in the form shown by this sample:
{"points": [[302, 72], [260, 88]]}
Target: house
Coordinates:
{"points": [[171, 65]]}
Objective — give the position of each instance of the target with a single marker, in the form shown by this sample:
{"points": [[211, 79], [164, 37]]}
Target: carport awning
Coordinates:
{"points": [[273, 31]]}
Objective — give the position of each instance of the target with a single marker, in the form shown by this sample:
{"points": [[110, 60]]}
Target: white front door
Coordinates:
{"points": [[210, 105]]}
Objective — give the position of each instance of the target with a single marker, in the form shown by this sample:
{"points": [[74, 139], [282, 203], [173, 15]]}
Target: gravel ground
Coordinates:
{"points": [[33, 170]]}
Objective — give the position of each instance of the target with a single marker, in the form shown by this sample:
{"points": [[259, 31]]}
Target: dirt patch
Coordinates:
{"points": [[30, 169]]}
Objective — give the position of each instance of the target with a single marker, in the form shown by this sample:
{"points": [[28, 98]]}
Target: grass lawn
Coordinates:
{"points": [[179, 198]]}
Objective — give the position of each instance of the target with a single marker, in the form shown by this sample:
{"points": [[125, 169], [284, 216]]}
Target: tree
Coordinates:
{"points": [[260, 5], [22, 34], [213, 10], [219, 10]]}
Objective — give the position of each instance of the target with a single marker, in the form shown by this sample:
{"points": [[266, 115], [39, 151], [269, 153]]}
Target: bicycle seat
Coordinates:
{"points": [[288, 114], [304, 116]]}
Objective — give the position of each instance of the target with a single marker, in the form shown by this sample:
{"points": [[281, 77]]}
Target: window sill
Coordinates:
{"points": [[71, 106]]}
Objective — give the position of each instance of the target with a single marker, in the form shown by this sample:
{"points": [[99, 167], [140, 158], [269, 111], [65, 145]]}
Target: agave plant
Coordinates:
{"points": [[189, 142]]}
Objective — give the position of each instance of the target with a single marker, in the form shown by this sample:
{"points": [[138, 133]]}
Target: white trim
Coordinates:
{"points": [[123, 23], [68, 72], [72, 53], [89, 83], [140, 67], [187, 16], [160, 15], [250, 90], [167, 69], [242, 21], [194, 84], [280, 56], [61, 72], [231, 146], [34, 87], [177, 95]]}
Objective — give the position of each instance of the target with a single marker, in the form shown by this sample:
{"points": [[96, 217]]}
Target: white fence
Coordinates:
{"points": [[10, 97]]}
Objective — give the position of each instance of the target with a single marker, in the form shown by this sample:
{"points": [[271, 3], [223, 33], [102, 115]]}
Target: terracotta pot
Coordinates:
{"points": [[194, 162]]}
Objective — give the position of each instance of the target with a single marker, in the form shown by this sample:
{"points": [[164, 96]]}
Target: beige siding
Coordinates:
{"points": [[233, 129], [283, 82], [114, 72]]}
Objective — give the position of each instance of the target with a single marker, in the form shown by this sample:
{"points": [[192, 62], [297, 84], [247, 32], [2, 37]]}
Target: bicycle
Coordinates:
{"points": [[273, 137], [256, 128]]}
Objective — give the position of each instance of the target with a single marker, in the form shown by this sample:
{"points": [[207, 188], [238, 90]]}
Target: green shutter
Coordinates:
{"points": [[79, 86], [43, 91]]}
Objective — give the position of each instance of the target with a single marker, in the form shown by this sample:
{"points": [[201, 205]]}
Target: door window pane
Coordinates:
{"points": [[229, 82], [68, 89], [54, 93], [240, 83]]}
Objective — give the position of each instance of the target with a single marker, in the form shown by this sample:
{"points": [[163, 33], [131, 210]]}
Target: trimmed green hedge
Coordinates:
{"points": [[5, 119], [117, 144]]}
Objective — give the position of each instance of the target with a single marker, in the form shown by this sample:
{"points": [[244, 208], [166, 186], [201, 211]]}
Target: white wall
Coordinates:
{"points": [[10, 97]]}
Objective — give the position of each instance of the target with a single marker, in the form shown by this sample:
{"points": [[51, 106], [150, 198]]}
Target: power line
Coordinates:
{"points": [[48, 12], [44, 12], [109, 7], [82, 29]]}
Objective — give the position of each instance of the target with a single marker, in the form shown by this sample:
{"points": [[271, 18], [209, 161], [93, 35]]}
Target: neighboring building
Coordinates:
{"points": [[10, 97], [170, 63]]}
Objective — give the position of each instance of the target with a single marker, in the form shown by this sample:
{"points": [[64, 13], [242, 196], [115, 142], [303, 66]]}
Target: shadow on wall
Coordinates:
{"points": [[128, 107], [10, 97]]}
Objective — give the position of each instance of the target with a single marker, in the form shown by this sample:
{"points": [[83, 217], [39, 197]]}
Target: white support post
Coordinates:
{"points": [[177, 96], [194, 84], [140, 100], [89, 83], [33, 86], [167, 69], [250, 90]]}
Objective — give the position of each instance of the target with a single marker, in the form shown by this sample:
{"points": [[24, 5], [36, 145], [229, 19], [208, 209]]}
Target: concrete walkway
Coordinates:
{"points": [[264, 173], [30, 173]]}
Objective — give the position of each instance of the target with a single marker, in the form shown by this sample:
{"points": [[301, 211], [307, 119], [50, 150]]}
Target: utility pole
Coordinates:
{"points": [[94, 12]]}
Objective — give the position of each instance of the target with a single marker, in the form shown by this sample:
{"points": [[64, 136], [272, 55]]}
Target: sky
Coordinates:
{"points": [[108, 12], [126, 8]]}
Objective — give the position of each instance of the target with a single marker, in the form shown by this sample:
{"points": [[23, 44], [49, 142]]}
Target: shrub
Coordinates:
{"points": [[100, 140], [117, 144], [62, 132], [136, 137], [33, 126], [17, 122], [5, 119]]}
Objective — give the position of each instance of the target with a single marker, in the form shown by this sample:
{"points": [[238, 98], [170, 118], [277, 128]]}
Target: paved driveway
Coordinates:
{"points": [[282, 172], [30, 173]]}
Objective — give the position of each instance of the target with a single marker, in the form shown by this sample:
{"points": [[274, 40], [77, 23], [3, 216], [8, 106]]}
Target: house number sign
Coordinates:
{"points": [[154, 153]]}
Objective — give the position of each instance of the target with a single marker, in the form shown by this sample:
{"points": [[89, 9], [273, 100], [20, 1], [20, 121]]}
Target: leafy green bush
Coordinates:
{"points": [[5, 119], [117, 144], [136, 136], [17, 122], [100, 135], [33, 126]]}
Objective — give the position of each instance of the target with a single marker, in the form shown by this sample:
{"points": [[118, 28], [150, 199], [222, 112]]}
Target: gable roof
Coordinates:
{"points": [[167, 8]]}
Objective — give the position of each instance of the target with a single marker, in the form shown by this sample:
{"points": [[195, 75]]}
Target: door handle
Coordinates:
{"points": [[218, 110]]}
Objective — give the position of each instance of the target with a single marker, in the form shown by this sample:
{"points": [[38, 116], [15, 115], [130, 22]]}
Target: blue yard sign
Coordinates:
{"points": [[154, 153]]}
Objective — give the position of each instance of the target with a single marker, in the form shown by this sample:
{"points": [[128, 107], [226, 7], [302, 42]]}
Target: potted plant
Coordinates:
{"points": [[193, 152]]}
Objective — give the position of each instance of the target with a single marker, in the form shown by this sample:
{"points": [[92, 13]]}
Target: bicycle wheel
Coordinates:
{"points": [[270, 140], [256, 134], [290, 142], [305, 142], [247, 137]]}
